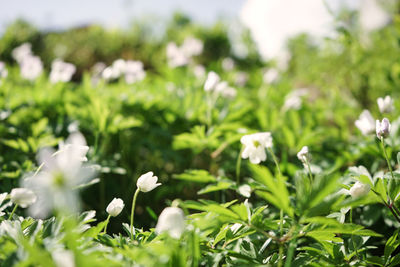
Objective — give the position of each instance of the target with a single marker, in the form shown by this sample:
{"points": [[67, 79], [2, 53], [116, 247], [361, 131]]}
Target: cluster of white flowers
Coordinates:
{"points": [[133, 71], [294, 99], [30, 65], [181, 55], [214, 84], [255, 145], [367, 124], [63, 170], [61, 71]]}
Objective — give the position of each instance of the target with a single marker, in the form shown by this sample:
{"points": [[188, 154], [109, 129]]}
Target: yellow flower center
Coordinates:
{"points": [[256, 143]]}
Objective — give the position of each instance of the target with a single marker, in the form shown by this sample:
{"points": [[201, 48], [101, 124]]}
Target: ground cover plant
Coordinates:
{"points": [[177, 151]]}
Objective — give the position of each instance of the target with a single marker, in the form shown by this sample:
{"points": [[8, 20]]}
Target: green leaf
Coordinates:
{"points": [[211, 208], [221, 234], [222, 185], [391, 245], [198, 176], [278, 194]]}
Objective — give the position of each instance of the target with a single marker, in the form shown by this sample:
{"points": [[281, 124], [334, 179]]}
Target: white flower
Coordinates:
{"points": [[62, 172], [382, 128], [115, 207], [21, 52], [211, 82], [225, 90], [61, 71], [255, 145], [294, 99], [270, 76], [192, 47], [23, 197], [3, 70], [385, 104], [3, 196], [134, 71], [229, 92], [303, 154], [63, 258], [171, 220], [245, 190], [31, 67], [119, 66], [199, 71], [147, 182], [365, 123], [75, 145], [176, 57], [241, 78], [228, 64], [114, 71], [359, 189]]}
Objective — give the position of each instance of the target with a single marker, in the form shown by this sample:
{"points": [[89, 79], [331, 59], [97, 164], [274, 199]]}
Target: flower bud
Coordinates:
{"points": [[171, 220], [115, 207], [147, 182], [303, 154], [382, 128], [23, 197]]}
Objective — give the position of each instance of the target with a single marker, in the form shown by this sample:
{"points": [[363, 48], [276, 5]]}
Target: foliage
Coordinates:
{"points": [[289, 214]]}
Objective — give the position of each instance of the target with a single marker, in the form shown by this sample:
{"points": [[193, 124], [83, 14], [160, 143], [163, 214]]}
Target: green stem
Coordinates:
{"points": [[280, 243], [289, 257], [387, 205], [309, 172], [12, 212], [275, 160], [105, 227], [280, 255], [352, 237], [209, 111], [396, 209], [133, 210], [38, 169], [238, 162], [386, 157], [96, 142]]}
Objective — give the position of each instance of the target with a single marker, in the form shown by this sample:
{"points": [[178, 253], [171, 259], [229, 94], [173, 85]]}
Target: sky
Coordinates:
{"points": [[57, 14], [271, 22]]}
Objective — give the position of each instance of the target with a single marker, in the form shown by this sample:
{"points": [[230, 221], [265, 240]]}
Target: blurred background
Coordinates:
{"points": [[271, 22], [342, 51]]}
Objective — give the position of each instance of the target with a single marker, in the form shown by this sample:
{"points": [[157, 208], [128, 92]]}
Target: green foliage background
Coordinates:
{"points": [[160, 125]]}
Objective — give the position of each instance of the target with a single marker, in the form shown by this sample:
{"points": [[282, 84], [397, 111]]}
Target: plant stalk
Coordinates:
{"points": [[133, 210]]}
